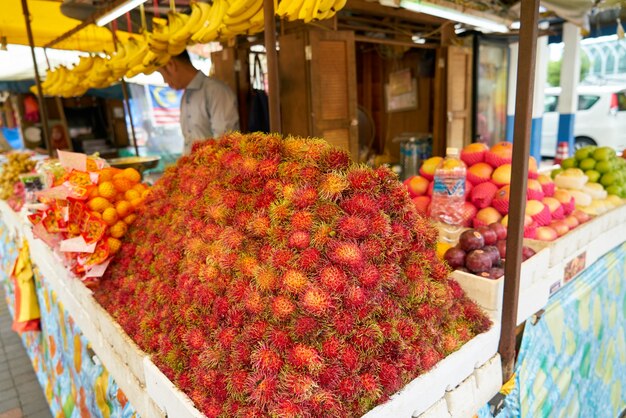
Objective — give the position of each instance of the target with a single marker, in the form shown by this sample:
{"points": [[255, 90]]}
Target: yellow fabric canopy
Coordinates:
{"points": [[48, 24]]}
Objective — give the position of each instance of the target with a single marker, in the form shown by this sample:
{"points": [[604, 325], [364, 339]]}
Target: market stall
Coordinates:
{"points": [[188, 263]]}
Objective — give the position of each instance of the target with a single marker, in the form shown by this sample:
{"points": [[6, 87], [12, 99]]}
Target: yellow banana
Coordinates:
{"points": [[205, 8], [238, 7], [339, 4], [293, 9], [184, 32], [209, 33], [160, 29], [157, 46], [324, 9], [245, 16], [258, 18], [84, 64], [309, 10]]}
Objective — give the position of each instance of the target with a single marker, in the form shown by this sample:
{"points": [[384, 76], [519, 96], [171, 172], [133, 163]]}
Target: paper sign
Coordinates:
{"points": [[59, 192], [77, 245], [73, 160], [98, 270], [94, 177], [40, 232]]}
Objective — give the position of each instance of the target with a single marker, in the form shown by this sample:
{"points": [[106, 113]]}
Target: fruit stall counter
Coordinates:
{"points": [[88, 366]]}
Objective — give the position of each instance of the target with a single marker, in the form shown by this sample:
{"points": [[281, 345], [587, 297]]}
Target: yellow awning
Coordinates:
{"points": [[48, 24]]}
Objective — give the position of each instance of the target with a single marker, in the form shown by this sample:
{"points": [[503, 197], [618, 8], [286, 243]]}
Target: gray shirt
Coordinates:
{"points": [[208, 109]]}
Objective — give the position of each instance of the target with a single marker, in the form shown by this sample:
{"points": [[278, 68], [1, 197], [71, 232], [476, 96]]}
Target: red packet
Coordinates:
{"points": [[99, 255], [51, 222], [94, 229], [36, 217]]}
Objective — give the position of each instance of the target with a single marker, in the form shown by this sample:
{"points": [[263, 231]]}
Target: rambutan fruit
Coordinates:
{"points": [[351, 226], [389, 377], [302, 220], [327, 211], [258, 225], [369, 277], [349, 358], [305, 326], [359, 204], [370, 384], [333, 279], [332, 185], [309, 259], [315, 301], [334, 159], [286, 409], [299, 385], [266, 360], [294, 281], [355, 296], [282, 307], [429, 357], [265, 278], [279, 339], [262, 389], [304, 197], [330, 376], [195, 338], [322, 235], [348, 387], [331, 347], [299, 240], [254, 303], [346, 254], [362, 179], [268, 167], [305, 357], [343, 323]]}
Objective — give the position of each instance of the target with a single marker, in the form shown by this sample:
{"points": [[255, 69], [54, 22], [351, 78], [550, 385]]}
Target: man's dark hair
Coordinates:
{"points": [[183, 57]]}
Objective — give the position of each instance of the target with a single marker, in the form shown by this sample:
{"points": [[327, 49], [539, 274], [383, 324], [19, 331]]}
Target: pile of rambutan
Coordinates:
{"points": [[273, 277]]}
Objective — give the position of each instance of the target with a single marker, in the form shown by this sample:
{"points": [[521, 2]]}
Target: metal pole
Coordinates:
{"points": [[521, 150], [43, 112], [272, 66]]}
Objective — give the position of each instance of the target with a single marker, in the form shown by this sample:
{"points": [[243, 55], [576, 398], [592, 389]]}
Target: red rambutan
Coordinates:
{"points": [[302, 220], [315, 301], [305, 357], [266, 360], [369, 277], [346, 254], [305, 326], [299, 240], [351, 226], [332, 185], [282, 307], [359, 204], [309, 259], [305, 197], [362, 179], [333, 278], [334, 159], [298, 385], [294, 281], [195, 338]]}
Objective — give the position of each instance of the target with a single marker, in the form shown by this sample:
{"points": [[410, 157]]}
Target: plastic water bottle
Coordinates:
{"points": [[449, 196]]}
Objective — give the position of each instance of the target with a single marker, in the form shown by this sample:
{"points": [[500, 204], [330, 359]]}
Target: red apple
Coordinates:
{"points": [[427, 170], [532, 168], [539, 212], [545, 233], [483, 194], [486, 216], [561, 227], [556, 209], [416, 185]]}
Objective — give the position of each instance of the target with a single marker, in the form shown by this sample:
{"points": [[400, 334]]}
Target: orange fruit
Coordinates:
{"points": [[130, 219], [131, 174], [97, 215], [140, 187], [114, 245], [123, 208], [107, 189], [110, 216], [145, 193], [118, 230], [93, 193], [136, 202], [98, 204], [122, 184], [106, 174], [132, 194]]}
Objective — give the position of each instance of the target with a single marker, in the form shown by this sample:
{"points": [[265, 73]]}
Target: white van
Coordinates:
{"points": [[600, 119]]}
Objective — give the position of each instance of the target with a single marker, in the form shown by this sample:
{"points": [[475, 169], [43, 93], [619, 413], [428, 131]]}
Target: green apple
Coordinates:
{"points": [[608, 179], [587, 164], [614, 189], [593, 175], [604, 167], [603, 153], [568, 163], [582, 153]]}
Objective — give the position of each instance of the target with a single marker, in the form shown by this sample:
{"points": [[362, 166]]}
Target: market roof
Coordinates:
{"points": [[48, 23]]}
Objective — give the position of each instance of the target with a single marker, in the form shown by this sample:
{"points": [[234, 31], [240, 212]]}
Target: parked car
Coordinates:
{"points": [[600, 119]]}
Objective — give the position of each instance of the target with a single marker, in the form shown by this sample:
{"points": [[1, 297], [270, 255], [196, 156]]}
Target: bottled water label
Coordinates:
{"points": [[449, 186]]}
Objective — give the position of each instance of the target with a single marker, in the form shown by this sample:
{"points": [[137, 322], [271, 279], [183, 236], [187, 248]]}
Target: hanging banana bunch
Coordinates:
{"points": [[309, 10]]}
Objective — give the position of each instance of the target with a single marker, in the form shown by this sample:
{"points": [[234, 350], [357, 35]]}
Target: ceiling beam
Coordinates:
{"points": [[378, 9]]}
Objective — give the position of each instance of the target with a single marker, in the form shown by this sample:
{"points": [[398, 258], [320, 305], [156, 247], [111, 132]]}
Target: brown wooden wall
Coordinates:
{"points": [[373, 70]]}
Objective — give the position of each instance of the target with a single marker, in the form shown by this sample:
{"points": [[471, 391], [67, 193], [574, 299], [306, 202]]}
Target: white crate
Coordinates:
{"points": [[488, 293], [167, 396], [438, 410], [462, 400]]}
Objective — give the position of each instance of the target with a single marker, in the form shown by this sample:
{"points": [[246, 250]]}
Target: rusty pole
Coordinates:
{"points": [[521, 149]]}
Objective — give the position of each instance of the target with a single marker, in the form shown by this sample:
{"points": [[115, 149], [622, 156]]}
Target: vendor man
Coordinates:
{"points": [[208, 107]]}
